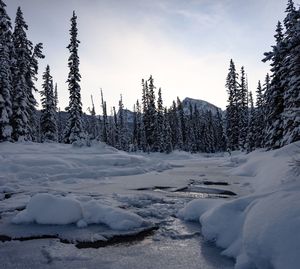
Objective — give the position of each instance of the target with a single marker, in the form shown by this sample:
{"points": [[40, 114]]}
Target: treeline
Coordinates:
{"points": [[151, 127]]}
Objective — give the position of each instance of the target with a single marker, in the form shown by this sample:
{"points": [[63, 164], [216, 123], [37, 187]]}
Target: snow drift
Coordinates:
{"points": [[261, 230]]}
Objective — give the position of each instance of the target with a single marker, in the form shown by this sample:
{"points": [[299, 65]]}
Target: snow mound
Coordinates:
{"points": [[277, 241], [194, 209], [260, 230], [270, 169], [115, 218], [48, 209]]}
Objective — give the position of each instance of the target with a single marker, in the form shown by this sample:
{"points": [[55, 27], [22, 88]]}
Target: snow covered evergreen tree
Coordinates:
{"points": [[291, 82], [232, 109], [177, 141], [150, 129], [92, 122], [159, 126], [167, 133], [259, 118], [123, 136], [137, 127], [56, 97], [191, 131], [60, 127], [182, 125], [31, 78], [274, 95], [48, 114], [21, 92], [6, 85], [74, 132], [242, 103], [104, 120], [250, 145], [219, 133], [112, 138]]}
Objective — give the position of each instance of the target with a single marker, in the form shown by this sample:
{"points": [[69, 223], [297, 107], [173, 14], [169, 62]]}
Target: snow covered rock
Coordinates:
{"points": [[48, 209]]}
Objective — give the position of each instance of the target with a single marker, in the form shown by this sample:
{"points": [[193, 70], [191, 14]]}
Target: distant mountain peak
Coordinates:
{"points": [[200, 104]]}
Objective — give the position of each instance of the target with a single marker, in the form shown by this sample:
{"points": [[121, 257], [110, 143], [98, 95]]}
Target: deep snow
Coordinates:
{"points": [[91, 194], [261, 230]]}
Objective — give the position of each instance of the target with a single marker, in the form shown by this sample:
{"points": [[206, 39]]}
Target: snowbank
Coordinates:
{"points": [[261, 230], [54, 162], [48, 209]]}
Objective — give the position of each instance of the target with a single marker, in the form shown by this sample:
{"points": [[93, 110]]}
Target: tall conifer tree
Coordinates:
{"points": [[74, 131], [232, 110], [274, 95], [6, 86], [48, 113]]}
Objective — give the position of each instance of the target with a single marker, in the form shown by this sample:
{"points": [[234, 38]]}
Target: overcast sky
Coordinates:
{"points": [[185, 44]]}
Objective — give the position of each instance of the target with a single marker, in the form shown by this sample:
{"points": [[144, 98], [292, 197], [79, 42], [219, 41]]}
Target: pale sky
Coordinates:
{"points": [[185, 44]]}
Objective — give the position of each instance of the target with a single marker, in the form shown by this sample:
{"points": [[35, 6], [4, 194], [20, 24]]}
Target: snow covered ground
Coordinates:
{"points": [[260, 230], [65, 206]]}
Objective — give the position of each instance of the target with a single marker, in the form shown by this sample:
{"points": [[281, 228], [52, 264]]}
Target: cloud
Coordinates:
{"points": [[117, 61]]}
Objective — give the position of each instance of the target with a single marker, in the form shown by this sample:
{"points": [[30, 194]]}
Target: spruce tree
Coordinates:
{"points": [[74, 132], [92, 122], [31, 78], [6, 86], [167, 133], [191, 128], [232, 109], [112, 129], [274, 95], [60, 128], [122, 131], [182, 124], [22, 102], [291, 82], [219, 133], [176, 130], [136, 139], [150, 129], [104, 119], [56, 97], [159, 126], [134, 142], [242, 103], [250, 145], [259, 118], [48, 113], [24, 74]]}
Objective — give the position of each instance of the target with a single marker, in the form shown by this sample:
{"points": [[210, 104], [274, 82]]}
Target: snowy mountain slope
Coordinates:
{"points": [[201, 105]]}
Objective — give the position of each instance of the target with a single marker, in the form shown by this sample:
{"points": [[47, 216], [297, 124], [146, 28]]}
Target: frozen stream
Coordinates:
{"points": [[155, 196]]}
